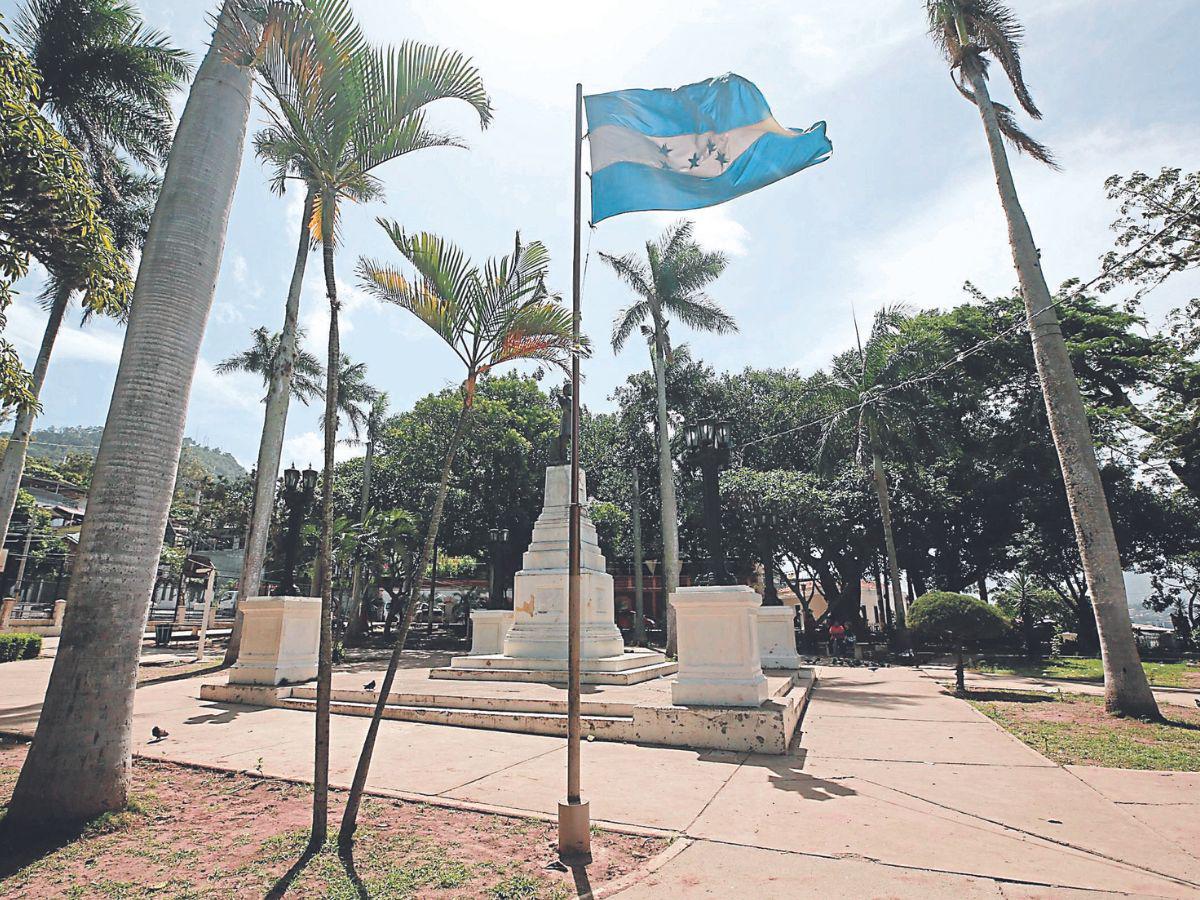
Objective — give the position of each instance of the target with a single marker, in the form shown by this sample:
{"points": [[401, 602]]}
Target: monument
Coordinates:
{"points": [[535, 645]]}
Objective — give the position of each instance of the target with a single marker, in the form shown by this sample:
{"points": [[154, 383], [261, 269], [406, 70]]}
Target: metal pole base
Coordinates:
{"points": [[574, 831]]}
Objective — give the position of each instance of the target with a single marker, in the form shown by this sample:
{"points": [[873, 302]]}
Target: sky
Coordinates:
{"points": [[904, 211]]}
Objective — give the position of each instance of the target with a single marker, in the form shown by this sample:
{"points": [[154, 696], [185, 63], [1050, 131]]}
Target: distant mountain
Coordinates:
{"points": [[53, 444]]}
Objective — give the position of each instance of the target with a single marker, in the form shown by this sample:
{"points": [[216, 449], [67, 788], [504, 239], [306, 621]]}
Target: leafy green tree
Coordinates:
{"points": [[487, 316], [669, 284], [956, 619], [967, 31], [1158, 227]]}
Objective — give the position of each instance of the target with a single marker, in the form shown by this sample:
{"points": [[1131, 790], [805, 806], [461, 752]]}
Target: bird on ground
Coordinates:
{"points": [[159, 733], [370, 685], [1197, 702]]}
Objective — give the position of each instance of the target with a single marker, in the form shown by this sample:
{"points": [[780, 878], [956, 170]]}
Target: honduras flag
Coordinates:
{"points": [[694, 146]]}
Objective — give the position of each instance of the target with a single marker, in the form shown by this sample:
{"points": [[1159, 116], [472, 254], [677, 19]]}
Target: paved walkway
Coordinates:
{"points": [[894, 790], [1188, 697]]}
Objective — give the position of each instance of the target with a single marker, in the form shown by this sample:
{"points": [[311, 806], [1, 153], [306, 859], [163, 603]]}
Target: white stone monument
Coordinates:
{"points": [[488, 628], [540, 588], [777, 637], [280, 640], [716, 627], [536, 640]]}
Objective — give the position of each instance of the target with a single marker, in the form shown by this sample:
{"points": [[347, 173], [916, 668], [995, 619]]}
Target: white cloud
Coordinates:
{"points": [[715, 229], [99, 342], [961, 234], [308, 448], [841, 41]]}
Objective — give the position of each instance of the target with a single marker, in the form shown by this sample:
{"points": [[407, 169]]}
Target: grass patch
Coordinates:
{"points": [[1176, 674], [1073, 729]]}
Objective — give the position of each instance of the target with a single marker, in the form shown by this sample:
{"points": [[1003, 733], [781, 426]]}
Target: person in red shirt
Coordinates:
{"points": [[837, 638]]}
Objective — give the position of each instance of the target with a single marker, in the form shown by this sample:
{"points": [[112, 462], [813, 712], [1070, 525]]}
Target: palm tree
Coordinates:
{"points": [[106, 82], [376, 421], [79, 764], [356, 398], [259, 359], [967, 32], [670, 283], [871, 404], [312, 98], [490, 316], [339, 109]]}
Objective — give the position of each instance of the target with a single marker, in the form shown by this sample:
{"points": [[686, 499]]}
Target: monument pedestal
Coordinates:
{"points": [[777, 637], [717, 631], [488, 628], [280, 640]]}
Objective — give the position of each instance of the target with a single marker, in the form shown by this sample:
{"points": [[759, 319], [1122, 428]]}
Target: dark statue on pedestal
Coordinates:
{"points": [[560, 447]]}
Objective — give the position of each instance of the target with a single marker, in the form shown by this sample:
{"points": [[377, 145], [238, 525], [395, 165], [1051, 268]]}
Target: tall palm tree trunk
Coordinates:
{"points": [[1126, 690], [79, 763], [325, 566], [353, 800], [270, 446], [666, 487], [355, 614], [889, 536], [13, 464]]}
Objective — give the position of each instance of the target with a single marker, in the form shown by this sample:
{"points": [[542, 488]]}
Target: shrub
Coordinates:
{"points": [[958, 619], [17, 645]]}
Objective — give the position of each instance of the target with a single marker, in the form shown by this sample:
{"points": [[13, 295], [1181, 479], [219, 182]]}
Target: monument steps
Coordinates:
{"points": [[547, 722], [508, 672]]}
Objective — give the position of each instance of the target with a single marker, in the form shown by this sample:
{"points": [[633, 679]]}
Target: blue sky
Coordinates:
{"points": [[906, 209]]}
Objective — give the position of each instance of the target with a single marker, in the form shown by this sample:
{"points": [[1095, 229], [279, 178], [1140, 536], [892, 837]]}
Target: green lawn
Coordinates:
{"points": [[1073, 729], [1177, 674]]}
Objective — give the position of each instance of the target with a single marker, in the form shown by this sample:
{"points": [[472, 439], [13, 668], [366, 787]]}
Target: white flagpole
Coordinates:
{"points": [[574, 827]]}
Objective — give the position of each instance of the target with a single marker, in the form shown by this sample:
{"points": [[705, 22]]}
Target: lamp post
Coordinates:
{"points": [[498, 541], [764, 526], [709, 441], [639, 605], [298, 491]]}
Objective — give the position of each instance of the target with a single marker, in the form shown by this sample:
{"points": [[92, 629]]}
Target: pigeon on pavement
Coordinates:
{"points": [[159, 733], [370, 685]]}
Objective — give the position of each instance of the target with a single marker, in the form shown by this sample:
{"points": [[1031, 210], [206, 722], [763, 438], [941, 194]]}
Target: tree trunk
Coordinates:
{"points": [[666, 487], [889, 539], [354, 798], [960, 680], [13, 465], [1126, 690], [270, 446], [79, 763], [355, 618], [320, 822]]}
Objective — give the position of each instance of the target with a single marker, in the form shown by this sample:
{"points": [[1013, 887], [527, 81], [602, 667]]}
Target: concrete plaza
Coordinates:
{"points": [[892, 789]]}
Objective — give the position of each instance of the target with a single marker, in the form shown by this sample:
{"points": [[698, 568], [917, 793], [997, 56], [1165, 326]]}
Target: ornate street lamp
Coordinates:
{"points": [[764, 527], [298, 491], [709, 441], [498, 542]]}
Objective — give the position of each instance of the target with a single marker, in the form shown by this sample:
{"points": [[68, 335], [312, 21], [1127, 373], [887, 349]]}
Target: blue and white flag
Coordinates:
{"points": [[693, 146]]}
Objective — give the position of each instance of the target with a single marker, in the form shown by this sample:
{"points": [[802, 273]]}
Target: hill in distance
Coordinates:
{"points": [[53, 445]]}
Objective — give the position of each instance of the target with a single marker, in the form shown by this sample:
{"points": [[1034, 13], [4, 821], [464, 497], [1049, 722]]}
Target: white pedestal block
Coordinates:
{"points": [[717, 631], [488, 628], [280, 640], [777, 637], [540, 588]]}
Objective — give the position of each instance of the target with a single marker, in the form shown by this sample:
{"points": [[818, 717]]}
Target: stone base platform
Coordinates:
{"points": [[641, 713], [630, 667]]}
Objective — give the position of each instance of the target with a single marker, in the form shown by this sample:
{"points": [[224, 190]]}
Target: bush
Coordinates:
{"points": [[17, 645], [958, 619]]}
